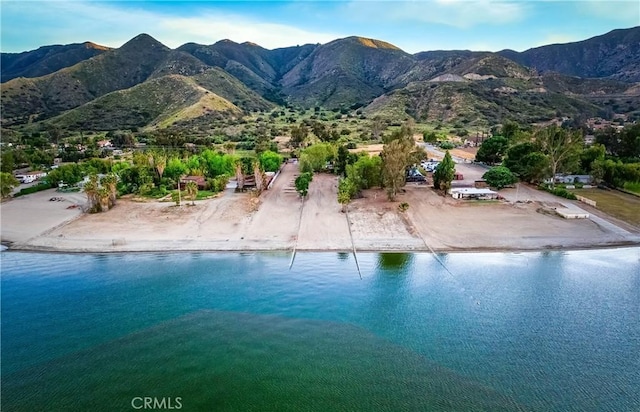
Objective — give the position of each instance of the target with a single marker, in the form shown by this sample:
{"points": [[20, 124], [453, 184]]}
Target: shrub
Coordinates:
{"points": [[559, 191], [33, 189], [447, 145]]}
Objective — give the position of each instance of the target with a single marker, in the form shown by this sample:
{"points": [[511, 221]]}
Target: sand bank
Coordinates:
{"points": [[277, 220]]}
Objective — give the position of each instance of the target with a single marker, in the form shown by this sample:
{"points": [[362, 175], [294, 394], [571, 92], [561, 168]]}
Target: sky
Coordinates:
{"points": [[414, 25]]}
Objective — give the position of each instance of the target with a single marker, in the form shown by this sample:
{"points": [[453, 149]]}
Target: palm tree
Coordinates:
{"points": [[192, 191], [239, 175], [158, 161], [109, 181], [91, 190], [103, 197], [258, 175]]}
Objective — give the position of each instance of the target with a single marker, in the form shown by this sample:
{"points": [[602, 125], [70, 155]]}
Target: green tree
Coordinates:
{"points": [[314, 158], [499, 177], [346, 191], [175, 168], [8, 162], [492, 150], [192, 191], [561, 146], [69, 174], [103, 199], [526, 161], [109, 182], [590, 155], [91, 190], [534, 167], [7, 183], [443, 175], [270, 161], [366, 172], [298, 135], [302, 183], [158, 161], [342, 161], [399, 153], [510, 130]]}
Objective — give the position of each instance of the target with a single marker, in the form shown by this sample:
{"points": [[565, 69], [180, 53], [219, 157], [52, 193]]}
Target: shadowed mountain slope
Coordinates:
{"points": [[46, 59], [613, 55]]}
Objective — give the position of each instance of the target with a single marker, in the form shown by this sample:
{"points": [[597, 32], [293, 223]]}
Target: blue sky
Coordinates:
{"points": [[416, 25]]}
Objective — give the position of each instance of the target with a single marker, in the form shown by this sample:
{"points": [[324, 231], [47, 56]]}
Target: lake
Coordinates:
{"points": [[539, 331]]}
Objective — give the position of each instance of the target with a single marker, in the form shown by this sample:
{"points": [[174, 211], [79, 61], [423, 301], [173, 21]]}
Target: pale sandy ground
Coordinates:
{"points": [[277, 220]]}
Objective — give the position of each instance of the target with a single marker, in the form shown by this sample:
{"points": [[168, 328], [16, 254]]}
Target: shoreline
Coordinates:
{"points": [[488, 249], [278, 221]]}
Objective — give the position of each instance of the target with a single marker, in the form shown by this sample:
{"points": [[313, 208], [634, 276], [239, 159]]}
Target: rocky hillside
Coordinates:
{"points": [[615, 55], [450, 86], [46, 59], [157, 102]]}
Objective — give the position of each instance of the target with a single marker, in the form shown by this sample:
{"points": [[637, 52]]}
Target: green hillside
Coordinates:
{"points": [[157, 102]]}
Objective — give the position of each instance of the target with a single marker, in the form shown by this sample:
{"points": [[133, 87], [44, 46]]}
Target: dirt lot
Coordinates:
{"points": [[276, 220]]}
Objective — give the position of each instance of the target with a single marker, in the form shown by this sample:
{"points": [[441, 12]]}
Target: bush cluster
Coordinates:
{"points": [[559, 191], [33, 189]]}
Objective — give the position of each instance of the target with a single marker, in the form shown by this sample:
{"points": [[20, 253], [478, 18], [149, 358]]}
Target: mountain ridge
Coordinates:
{"points": [[348, 72]]}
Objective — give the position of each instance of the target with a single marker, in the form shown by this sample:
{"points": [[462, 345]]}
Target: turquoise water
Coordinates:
{"points": [[555, 331]]}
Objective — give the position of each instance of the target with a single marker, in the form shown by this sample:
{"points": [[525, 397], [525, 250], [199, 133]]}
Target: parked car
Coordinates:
{"points": [[413, 175], [430, 166]]}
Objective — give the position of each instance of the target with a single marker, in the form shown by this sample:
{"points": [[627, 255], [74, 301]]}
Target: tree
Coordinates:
{"points": [[314, 158], [499, 177], [175, 168], [270, 161], [192, 191], [534, 167], [258, 176], [8, 162], [510, 130], [342, 160], [302, 183], [158, 161], [378, 126], [110, 182], [91, 189], [623, 143], [7, 183], [69, 174], [103, 199], [561, 146], [399, 153], [346, 190], [492, 150], [590, 155], [366, 172], [443, 175], [526, 161], [298, 135]]}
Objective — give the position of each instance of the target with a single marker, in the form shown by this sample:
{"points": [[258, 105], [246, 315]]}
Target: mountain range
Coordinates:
{"points": [[143, 83]]}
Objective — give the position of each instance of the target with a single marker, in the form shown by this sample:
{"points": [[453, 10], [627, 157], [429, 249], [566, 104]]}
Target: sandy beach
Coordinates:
{"points": [[278, 220]]}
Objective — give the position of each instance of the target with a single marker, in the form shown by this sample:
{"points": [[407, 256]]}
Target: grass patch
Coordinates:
{"points": [[632, 187], [617, 204]]}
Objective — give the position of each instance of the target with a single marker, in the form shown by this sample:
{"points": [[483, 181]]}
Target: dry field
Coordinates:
{"points": [[277, 220]]}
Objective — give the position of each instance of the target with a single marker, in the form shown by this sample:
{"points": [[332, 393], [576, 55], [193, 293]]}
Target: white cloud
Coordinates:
{"points": [[456, 13], [627, 12], [63, 22], [210, 28]]}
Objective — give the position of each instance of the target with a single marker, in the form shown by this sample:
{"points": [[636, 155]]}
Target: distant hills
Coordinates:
{"points": [[146, 84]]}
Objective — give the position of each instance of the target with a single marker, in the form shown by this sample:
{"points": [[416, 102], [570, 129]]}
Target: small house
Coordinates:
{"points": [[473, 193], [200, 181]]}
